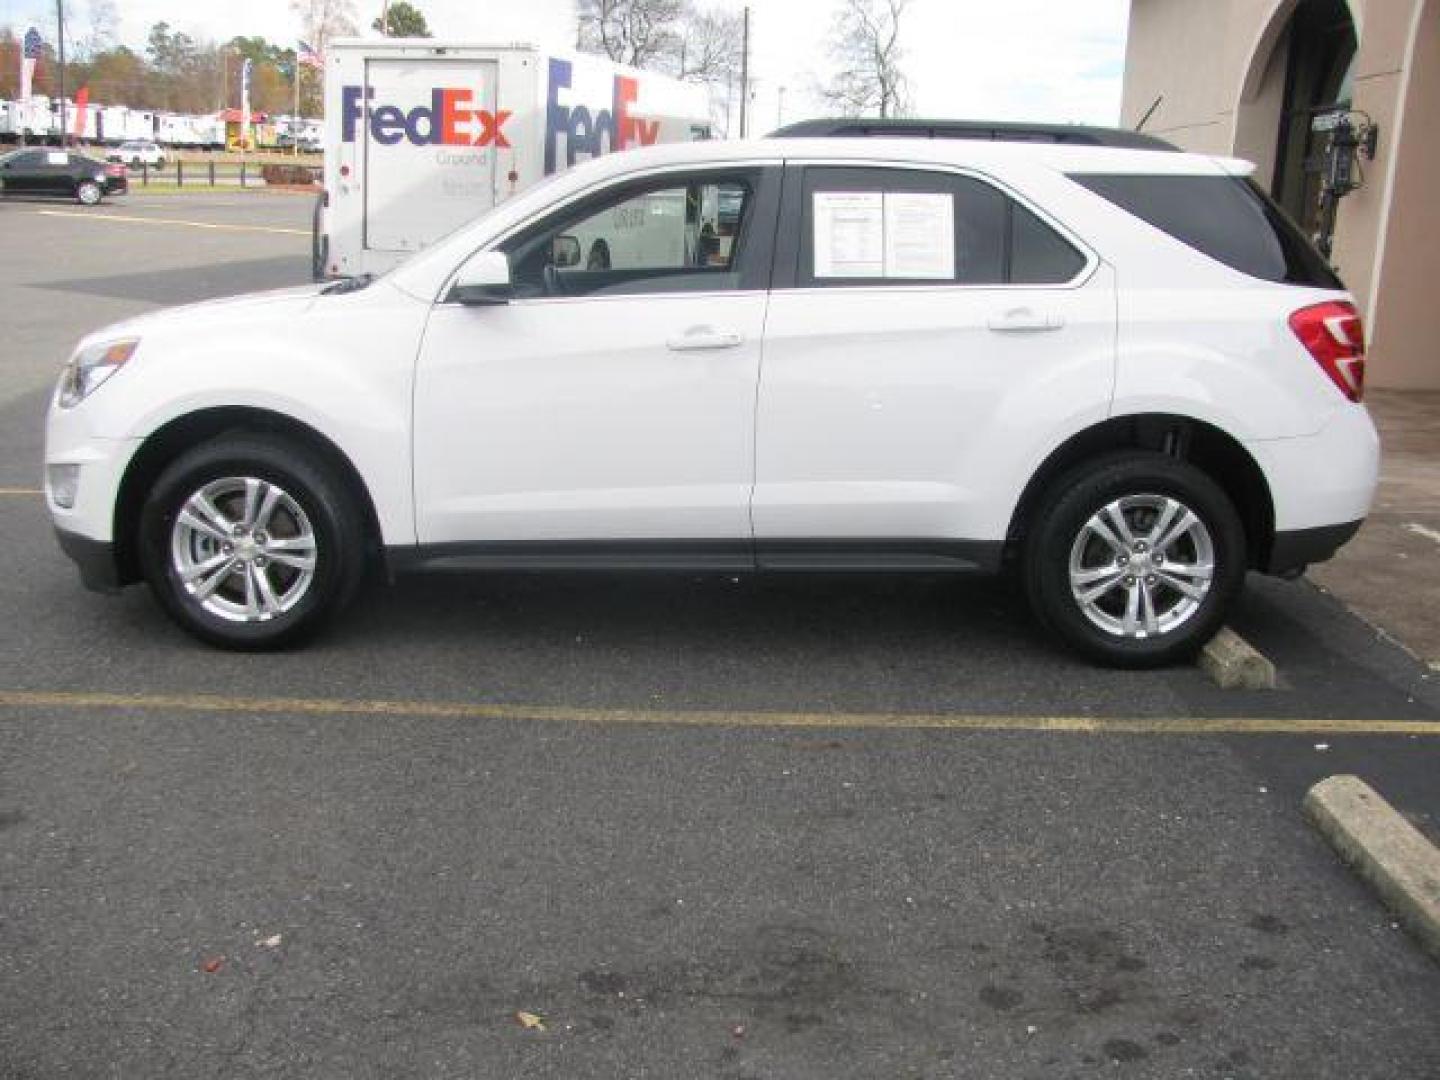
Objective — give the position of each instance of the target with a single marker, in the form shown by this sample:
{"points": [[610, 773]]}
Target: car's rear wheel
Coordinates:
{"points": [[88, 192], [251, 542], [1134, 559]]}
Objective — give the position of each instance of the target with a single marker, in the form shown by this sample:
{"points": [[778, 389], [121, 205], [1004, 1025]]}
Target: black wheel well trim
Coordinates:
{"points": [[1214, 451], [176, 436]]}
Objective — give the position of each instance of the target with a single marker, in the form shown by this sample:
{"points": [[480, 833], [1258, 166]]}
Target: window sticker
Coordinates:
{"points": [[919, 235], [893, 234], [849, 234]]}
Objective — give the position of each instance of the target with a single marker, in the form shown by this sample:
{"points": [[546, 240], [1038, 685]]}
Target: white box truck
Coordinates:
{"points": [[423, 136]]}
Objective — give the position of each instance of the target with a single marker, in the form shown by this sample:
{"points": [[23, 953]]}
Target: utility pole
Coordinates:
{"points": [[60, 18], [295, 116], [744, 71], [384, 20]]}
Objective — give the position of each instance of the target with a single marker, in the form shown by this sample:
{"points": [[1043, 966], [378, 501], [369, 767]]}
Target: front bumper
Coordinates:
{"points": [[95, 558]]}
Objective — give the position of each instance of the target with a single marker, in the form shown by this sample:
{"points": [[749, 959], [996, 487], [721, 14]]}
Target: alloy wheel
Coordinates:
{"points": [[1141, 566], [243, 549]]}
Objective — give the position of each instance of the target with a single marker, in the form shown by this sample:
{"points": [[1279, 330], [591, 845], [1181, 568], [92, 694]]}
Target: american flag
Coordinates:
{"points": [[309, 57]]}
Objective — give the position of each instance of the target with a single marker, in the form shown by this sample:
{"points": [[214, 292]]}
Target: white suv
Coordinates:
{"points": [[136, 153], [1121, 372]]}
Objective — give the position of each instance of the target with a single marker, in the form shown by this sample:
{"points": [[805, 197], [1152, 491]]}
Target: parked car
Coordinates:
{"points": [[1120, 372], [136, 153], [61, 172]]}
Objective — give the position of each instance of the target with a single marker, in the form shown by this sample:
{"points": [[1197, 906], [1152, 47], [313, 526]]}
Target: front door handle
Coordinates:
{"points": [[1023, 319], [703, 337]]}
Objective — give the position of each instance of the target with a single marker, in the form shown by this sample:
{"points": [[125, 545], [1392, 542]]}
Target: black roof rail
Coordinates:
{"points": [[984, 130]]}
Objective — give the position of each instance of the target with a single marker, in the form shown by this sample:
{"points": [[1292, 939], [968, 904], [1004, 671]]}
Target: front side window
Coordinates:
{"points": [[674, 236], [884, 226]]}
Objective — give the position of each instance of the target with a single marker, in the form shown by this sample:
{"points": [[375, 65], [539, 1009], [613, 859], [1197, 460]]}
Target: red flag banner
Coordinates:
{"points": [[82, 102]]}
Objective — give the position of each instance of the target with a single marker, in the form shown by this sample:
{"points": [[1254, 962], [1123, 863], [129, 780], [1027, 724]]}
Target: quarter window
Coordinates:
{"points": [[868, 226], [1229, 219]]}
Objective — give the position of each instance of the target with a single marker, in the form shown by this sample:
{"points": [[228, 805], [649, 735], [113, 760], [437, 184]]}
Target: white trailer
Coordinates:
{"points": [[422, 136], [111, 123]]}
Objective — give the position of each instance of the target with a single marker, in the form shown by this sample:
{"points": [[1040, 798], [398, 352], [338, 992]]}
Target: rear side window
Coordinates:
{"points": [[869, 226], [1038, 254], [1229, 219]]}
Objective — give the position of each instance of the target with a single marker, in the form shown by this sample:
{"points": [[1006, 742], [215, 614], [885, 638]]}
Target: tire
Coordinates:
{"points": [[88, 193], [1079, 588], [304, 541]]}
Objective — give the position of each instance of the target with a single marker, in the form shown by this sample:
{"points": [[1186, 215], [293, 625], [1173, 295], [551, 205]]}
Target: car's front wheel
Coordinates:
{"points": [[251, 542], [1134, 559], [88, 193]]}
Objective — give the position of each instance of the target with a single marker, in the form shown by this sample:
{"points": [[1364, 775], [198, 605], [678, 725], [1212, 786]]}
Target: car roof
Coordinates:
{"points": [[984, 130], [1060, 157]]}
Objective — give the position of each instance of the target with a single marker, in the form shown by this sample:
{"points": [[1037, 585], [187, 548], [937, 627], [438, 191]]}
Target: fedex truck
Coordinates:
{"points": [[421, 137]]}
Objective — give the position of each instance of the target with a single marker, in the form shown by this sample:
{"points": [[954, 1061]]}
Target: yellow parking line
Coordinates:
{"points": [[457, 710], [136, 220]]}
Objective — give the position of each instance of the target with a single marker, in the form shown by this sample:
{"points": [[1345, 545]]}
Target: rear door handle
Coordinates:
{"points": [[1023, 319], [703, 337]]}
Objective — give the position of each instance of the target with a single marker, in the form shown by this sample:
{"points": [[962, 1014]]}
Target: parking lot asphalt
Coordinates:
{"points": [[680, 826]]}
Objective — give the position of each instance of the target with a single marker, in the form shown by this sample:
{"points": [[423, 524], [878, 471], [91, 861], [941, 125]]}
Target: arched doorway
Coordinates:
{"points": [[1302, 63]]}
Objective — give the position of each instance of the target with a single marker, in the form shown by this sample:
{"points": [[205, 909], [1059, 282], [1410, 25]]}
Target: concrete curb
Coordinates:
{"points": [[1234, 664], [1384, 849]]}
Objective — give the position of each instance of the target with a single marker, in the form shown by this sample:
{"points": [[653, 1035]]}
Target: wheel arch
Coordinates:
{"points": [[170, 440], [1215, 452]]}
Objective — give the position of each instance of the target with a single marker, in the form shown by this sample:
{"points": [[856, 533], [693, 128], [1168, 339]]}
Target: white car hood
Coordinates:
{"points": [[208, 315]]}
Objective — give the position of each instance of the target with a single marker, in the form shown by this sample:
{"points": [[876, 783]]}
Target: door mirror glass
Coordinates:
{"points": [[484, 279], [565, 252]]}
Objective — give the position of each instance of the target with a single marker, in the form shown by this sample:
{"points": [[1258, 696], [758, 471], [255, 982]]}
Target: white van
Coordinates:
{"points": [[423, 136]]}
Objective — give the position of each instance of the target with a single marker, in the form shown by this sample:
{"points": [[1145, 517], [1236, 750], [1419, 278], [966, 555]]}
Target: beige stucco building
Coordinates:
{"points": [[1246, 77]]}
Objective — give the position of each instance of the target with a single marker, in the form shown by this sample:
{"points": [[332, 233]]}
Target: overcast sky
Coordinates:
{"points": [[998, 59]]}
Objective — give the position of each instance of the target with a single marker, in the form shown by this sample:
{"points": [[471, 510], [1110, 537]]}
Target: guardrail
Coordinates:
{"points": [[223, 174]]}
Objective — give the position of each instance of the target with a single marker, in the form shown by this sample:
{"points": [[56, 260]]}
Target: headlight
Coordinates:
{"points": [[91, 366]]}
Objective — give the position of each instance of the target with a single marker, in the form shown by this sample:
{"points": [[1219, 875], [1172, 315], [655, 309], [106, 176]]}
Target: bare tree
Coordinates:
{"points": [[674, 36], [104, 28], [709, 46], [641, 33], [320, 20], [865, 45]]}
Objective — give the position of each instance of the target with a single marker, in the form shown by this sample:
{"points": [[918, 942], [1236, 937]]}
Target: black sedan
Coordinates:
{"points": [[60, 172]]}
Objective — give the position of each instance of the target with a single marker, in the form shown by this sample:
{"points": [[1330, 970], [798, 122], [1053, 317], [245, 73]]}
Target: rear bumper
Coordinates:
{"points": [[1322, 481], [95, 558], [1295, 549]]}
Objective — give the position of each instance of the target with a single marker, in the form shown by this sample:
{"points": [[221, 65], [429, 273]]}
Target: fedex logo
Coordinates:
{"points": [[450, 120], [582, 129]]}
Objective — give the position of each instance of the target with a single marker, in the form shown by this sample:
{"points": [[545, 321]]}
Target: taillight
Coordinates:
{"points": [[114, 170], [1332, 334]]}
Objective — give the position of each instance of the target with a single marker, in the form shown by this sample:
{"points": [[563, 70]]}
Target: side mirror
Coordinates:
{"points": [[484, 279], [564, 252]]}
